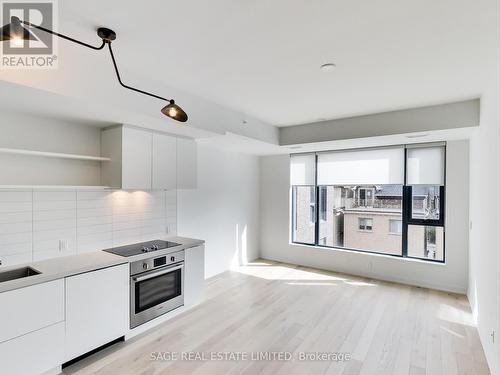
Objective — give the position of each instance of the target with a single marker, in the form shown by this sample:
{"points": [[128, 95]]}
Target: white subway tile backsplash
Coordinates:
{"points": [[95, 241], [16, 227], [53, 215], [7, 207], [54, 224], [47, 225], [13, 259], [95, 212], [85, 230], [91, 195], [41, 224], [54, 244], [16, 248], [14, 238], [53, 205], [16, 217], [16, 196], [89, 220], [51, 253]]}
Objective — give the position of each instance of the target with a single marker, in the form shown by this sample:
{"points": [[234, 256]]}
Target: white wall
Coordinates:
{"points": [[224, 209], [23, 131], [484, 282], [437, 117], [451, 276], [32, 222]]}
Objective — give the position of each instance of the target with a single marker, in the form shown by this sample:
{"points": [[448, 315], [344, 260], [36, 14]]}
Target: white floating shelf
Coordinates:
{"points": [[58, 187], [52, 154]]}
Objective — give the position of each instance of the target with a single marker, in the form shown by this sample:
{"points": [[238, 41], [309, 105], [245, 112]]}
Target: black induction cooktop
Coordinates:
{"points": [[141, 248]]}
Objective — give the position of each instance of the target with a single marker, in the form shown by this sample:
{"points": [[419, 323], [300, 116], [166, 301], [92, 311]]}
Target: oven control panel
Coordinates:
{"points": [[152, 263]]}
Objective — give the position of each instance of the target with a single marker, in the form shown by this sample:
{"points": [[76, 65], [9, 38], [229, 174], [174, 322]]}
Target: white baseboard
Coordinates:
{"points": [[419, 283]]}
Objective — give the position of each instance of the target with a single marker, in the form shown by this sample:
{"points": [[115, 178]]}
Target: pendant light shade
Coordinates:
{"points": [[15, 31], [175, 112]]}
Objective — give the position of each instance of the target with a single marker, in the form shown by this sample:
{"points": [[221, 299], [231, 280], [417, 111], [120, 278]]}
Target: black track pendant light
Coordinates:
{"points": [[16, 31]]}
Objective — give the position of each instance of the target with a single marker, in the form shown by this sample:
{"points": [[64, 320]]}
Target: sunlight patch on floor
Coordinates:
{"points": [[454, 315], [271, 271], [311, 283]]}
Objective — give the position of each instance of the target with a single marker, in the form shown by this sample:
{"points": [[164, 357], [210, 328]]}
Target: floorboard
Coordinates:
{"points": [[268, 307]]}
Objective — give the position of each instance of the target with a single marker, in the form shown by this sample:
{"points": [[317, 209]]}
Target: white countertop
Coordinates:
{"points": [[57, 268]]}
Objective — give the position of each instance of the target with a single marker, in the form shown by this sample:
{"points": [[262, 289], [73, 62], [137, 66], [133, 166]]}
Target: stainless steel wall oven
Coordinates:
{"points": [[156, 287]]}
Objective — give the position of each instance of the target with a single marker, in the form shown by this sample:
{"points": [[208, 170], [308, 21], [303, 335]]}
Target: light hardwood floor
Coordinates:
{"points": [[387, 328]]}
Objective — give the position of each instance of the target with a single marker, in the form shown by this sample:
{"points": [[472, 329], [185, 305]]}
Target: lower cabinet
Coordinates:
{"points": [[97, 309], [194, 277], [33, 353], [28, 309], [32, 329]]}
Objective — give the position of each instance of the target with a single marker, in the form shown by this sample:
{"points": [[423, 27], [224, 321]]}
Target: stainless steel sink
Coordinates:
{"points": [[18, 273]]}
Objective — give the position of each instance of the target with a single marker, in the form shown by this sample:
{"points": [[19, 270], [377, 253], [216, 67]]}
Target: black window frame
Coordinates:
{"points": [[322, 200], [406, 216], [428, 222], [294, 216]]}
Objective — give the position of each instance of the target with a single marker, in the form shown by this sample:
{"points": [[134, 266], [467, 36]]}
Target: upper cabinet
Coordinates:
{"points": [[136, 159], [186, 164], [164, 162], [145, 160]]}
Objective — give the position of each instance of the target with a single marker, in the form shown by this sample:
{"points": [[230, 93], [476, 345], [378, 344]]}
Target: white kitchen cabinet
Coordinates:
{"points": [[186, 164], [31, 308], [145, 160], [194, 275], [130, 151], [164, 161], [34, 353], [97, 309], [136, 159]]}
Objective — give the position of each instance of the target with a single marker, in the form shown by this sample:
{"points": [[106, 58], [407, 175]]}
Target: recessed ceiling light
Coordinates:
{"points": [[328, 67]]}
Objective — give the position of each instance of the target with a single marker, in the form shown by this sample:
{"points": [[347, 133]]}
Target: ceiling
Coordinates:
{"points": [[262, 58]]}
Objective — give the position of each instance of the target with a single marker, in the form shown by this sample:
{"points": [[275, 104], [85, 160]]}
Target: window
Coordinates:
{"points": [[303, 207], [312, 206], [371, 200], [361, 184], [347, 218], [365, 224], [425, 202], [395, 226], [426, 242], [425, 192], [322, 203]]}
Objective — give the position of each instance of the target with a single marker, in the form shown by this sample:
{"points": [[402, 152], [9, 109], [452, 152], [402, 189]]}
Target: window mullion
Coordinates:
{"points": [[316, 189]]}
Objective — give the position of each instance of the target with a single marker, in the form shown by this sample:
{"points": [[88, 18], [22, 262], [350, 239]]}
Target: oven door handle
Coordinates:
{"points": [[151, 275]]}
